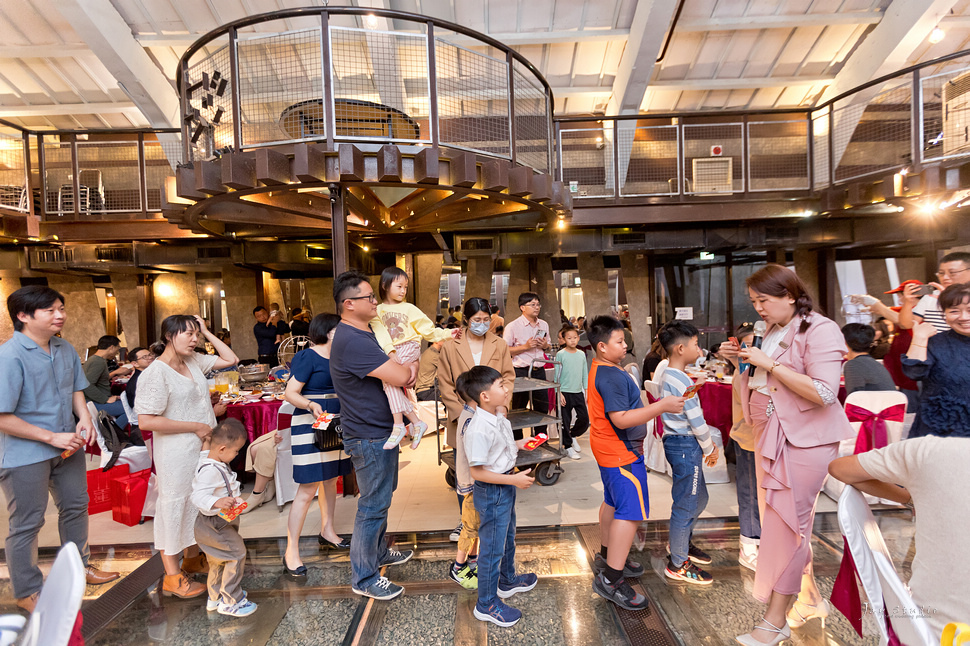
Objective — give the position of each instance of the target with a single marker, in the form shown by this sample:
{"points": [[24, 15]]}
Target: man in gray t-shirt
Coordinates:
{"points": [[861, 371]]}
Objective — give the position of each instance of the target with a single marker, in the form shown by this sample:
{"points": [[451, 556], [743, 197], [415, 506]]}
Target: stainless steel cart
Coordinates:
{"points": [[545, 457]]}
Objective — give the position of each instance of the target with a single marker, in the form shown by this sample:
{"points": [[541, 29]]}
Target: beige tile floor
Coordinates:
{"points": [[423, 502]]}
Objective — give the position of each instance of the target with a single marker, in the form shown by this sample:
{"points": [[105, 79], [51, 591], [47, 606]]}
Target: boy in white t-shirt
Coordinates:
{"points": [[492, 452]]}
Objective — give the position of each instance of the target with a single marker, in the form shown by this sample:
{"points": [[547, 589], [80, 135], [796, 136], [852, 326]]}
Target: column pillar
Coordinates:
{"points": [[545, 287], [877, 280], [816, 268], [125, 288], [320, 293], [596, 285], [478, 279], [84, 324], [635, 270], [241, 297], [176, 294], [518, 283], [9, 283], [427, 282]]}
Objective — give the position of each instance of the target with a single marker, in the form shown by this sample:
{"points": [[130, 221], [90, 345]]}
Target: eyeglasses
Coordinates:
{"points": [[145, 357], [534, 304], [370, 297], [950, 274]]}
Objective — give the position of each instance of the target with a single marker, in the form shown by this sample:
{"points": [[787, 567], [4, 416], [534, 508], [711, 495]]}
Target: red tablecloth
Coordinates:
{"points": [[716, 402], [258, 417]]}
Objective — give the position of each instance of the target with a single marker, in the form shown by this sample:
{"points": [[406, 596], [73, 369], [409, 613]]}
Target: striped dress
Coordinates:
{"points": [[309, 464]]}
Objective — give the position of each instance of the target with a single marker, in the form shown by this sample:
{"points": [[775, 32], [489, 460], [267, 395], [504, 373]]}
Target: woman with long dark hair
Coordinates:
{"points": [[791, 400], [173, 403], [313, 469]]}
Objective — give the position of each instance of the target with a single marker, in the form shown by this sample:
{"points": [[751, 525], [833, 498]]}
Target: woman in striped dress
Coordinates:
{"points": [[313, 469]]}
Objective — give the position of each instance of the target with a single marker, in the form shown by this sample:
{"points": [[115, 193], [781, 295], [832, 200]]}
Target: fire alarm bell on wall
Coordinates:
{"points": [[716, 151]]}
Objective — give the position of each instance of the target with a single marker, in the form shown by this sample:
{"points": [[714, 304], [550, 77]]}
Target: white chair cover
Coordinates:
{"points": [[635, 373], [285, 485], [138, 458], [875, 401], [653, 386], [426, 412], [52, 621], [879, 579]]}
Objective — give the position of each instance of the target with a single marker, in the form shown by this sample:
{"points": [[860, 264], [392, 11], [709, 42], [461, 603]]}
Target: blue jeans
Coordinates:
{"points": [[496, 535], [749, 518], [689, 491], [377, 479], [116, 409]]}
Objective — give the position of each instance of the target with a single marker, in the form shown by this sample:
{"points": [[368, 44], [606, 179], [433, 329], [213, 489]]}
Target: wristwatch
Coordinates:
{"points": [[773, 366]]}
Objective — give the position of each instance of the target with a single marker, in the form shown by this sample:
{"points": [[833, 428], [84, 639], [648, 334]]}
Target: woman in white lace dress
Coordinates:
{"points": [[173, 403]]}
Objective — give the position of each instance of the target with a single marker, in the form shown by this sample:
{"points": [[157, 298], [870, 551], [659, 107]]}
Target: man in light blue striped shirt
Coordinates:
{"points": [[687, 446]]}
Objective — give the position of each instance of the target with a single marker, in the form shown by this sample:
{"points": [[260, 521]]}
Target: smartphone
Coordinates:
{"points": [[536, 441], [540, 334], [735, 341], [924, 290], [742, 365]]}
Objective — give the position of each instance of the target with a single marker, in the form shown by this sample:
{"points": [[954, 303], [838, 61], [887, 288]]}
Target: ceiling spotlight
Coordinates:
{"points": [[370, 21], [561, 224], [366, 248], [937, 35]]}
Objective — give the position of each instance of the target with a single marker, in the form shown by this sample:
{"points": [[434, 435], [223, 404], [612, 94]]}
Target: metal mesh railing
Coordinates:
{"points": [[945, 99], [473, 99], [531, 109], [281, 87], [58, 178], [108, 176], [158, 166], [587, 161], [13, 174], [210, 103], [778, 155], [873, 136], [380, 84], [820, 147], [713, 158], [652, 153]]}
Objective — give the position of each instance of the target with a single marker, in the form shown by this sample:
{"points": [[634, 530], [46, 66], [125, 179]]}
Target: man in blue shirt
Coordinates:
{"points": [[358, 367], [42, 394]]}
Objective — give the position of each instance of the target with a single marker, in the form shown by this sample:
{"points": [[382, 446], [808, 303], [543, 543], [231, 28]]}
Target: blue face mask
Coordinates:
{"points": [[478, 329]]}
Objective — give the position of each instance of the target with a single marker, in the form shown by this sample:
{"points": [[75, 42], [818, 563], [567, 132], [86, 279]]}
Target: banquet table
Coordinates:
{"points": [[259, 417], [716, 402]]}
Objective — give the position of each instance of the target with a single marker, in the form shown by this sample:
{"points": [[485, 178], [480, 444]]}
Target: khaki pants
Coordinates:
{"points": [[261, 456], [226, 553], [469, 524]]}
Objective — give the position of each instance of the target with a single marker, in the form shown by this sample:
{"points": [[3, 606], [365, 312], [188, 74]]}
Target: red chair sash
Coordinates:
{"points": [[845, 597], [872, 433]]}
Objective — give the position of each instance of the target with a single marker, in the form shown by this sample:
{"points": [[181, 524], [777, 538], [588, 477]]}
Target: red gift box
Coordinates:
{"points": [[128, 497], [99, 487]]}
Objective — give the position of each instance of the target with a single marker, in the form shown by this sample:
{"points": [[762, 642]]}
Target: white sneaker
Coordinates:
{"points": [[573, 453], [579, 449], [748, 555]]}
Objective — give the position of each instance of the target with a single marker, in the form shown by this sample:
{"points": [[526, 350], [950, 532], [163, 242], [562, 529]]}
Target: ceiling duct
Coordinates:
{"points": [[466, 246]]}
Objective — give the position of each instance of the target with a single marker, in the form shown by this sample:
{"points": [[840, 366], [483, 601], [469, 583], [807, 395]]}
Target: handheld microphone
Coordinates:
{"points": [[759, 335]]}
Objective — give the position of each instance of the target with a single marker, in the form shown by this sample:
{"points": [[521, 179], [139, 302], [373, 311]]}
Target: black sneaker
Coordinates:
{"points": [[396, 558], [631, 569], [619, 593], [688, 572], [696, 554]]}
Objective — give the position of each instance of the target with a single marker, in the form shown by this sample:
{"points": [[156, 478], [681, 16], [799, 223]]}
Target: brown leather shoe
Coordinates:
{"points": [[195, 564], [181, 586], [94, 576], [28, 603]]}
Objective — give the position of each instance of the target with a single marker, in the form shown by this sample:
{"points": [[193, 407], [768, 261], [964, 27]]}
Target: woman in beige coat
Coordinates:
{"points": [[476, 346]]}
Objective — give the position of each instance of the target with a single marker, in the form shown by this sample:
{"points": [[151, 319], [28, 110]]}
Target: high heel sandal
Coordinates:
{"points": [[797, 619], [781, 634], [298, 573]]}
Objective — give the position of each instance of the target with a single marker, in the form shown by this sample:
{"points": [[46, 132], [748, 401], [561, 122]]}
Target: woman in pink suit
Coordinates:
{"points": [[791, 400]]}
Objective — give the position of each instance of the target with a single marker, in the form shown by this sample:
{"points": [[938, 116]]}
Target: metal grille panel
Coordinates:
{"points": [[946, 113], [531, 120], [820, 135], [778, 155], [874, 136], [108, 176], [380, 83], [13, 177], [158, 166], [211, 130], [652, 154], [698, 142], [473, 99], [281, 87], [587, 156], [58, 179]]}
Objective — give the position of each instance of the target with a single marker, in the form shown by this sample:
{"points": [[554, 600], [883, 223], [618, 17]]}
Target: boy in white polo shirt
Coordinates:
{"points": [[491, 452]]}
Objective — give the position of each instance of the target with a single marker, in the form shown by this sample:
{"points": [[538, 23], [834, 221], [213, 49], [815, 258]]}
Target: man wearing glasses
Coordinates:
{"points": [[358, 367], [140, 358], [954, 269], [527, 337]]}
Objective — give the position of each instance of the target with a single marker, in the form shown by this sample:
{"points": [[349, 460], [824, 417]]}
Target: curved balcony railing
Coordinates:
{"points": [[362, 75], [900, 122]]}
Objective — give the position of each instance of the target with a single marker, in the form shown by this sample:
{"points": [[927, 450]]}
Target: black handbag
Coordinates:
{"points": [[116, 439], [329, 438]]}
